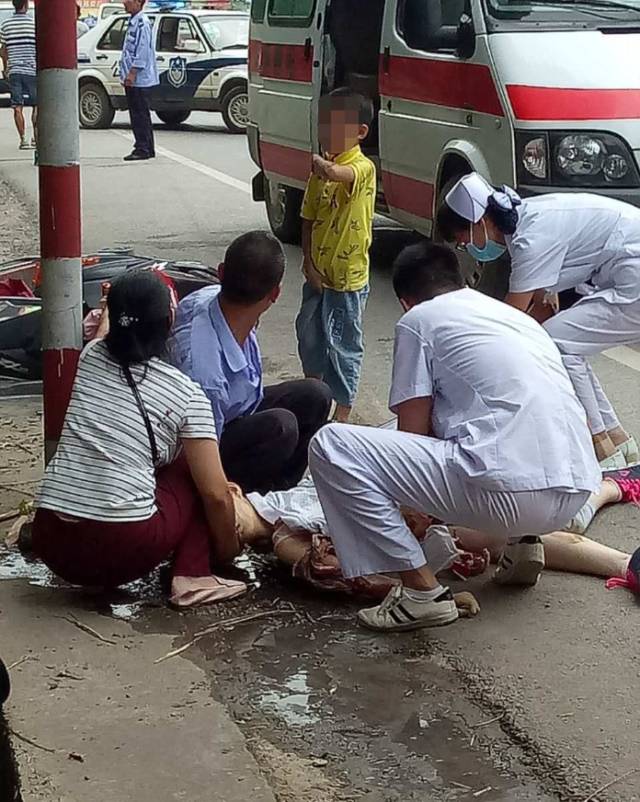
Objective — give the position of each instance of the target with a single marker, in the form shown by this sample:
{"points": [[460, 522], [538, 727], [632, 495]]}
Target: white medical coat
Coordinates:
{"points": [[501, 395], [563, 240]]}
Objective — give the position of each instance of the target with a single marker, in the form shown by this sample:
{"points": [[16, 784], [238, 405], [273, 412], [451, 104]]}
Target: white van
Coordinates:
{"points": [[541, 94]]}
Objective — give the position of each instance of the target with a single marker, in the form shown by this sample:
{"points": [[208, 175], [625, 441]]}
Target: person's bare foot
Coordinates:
{"points": [[342, 413]]}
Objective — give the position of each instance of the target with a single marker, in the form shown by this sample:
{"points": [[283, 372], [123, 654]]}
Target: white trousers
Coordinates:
{"points": [[594, 324], [364, 475]]}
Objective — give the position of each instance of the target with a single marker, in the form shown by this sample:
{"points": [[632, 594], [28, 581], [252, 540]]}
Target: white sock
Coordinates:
{"points": [[423, 595]]}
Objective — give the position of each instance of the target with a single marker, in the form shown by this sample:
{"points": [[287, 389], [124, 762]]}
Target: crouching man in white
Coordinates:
{"points": [[491, 436]]}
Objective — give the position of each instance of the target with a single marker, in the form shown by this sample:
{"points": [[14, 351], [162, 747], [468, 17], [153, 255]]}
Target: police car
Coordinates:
{"points": [[202, 66]]}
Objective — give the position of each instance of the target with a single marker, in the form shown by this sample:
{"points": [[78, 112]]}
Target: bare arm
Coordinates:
{"points": [[519, 300], [203, 457], [4, 56], [329, 171], [414, 416]]}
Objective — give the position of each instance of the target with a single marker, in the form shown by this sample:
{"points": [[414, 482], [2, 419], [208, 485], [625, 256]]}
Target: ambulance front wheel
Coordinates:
{"points": [[283, 210]]}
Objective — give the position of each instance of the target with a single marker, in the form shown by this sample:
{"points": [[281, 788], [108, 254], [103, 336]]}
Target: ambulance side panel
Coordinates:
{"points": [[441, 116], [285, 70]]}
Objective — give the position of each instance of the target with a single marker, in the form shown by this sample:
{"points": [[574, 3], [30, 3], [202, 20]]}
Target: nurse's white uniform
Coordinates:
{"points": [[565, 240], [511, 452]]}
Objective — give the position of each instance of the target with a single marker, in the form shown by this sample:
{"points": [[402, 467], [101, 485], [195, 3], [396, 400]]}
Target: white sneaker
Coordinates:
{"points": [[521, 563], [616, 462], [629, 450], [579, 524], [399, 612]]}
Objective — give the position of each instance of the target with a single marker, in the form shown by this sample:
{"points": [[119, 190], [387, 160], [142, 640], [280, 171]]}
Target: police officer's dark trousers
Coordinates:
{"points": [[138, 102]]}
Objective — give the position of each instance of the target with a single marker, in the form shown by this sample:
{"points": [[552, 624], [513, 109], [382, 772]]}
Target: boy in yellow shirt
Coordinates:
{"points": [[337, 215]]}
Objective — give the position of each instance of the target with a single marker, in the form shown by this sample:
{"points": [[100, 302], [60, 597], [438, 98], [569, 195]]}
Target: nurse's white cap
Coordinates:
{"points": [[470, 197]]}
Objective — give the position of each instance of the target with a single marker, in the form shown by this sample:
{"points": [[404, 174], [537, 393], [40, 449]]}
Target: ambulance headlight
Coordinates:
{"points": [[592, 160], [534, 157]]}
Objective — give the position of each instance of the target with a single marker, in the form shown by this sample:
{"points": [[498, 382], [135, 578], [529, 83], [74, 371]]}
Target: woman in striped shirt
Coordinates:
{"points": [[137, 476]]}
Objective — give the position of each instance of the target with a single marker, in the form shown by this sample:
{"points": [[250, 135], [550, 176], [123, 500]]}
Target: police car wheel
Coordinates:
{"points": [[235, 109], [96, 110], [173, 118], [283, 210]]}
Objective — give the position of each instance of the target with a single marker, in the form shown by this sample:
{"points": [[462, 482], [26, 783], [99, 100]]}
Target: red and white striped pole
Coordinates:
{"points": [[60, 217]]}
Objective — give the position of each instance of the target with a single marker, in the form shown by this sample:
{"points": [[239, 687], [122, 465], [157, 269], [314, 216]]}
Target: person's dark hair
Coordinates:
{"points": [[20, 5], [139, 305], [425, 270], [450, 224], [253, 268], [353, 101]]}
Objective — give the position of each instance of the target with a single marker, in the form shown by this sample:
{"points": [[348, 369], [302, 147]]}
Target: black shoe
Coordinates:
{"points": [[137, 157]]}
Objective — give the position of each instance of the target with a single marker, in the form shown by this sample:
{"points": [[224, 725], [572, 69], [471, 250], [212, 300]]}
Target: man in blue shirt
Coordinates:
{"points": [[264, 433], [139, 73]]}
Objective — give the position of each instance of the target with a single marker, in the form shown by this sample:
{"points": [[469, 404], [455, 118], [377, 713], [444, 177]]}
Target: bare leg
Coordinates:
{"points": [[419, 579], [342, 413], [577, 554], [34, 122], [562, 552], [603, 445], [18, 118]]}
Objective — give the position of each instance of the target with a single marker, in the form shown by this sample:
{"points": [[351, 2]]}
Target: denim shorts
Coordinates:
{"points": [[24, 90], [331, 340]]}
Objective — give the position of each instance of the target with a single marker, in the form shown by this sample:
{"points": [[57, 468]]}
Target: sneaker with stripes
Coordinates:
{"points": [[400, 612]]}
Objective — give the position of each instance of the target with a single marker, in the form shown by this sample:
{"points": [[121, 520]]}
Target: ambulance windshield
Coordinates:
{"points": [[593, 13], [226, 33]]}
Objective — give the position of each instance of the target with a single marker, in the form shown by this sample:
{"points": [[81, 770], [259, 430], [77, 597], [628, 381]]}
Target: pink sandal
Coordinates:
{"points": [[191, 591]]}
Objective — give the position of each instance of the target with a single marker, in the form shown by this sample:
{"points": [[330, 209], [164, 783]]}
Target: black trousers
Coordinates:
{"points": [[138, 102], [269, 449]]}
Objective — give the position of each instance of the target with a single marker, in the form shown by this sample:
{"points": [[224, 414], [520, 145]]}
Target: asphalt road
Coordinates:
{"points": [[558, 665]]}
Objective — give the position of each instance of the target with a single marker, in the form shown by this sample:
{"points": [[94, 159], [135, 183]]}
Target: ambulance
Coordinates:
{"points": [[543, 95]]}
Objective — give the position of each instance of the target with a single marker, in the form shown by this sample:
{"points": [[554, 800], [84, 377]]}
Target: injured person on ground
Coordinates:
{"points": [[292, 524]]}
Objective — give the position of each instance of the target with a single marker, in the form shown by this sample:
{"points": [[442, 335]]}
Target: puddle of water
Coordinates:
{"points": [[291, 702], [14, 565], [388, 724]]}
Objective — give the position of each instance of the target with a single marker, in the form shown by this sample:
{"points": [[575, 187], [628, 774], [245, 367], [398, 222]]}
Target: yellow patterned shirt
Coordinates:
{"points": [[342, 216]]}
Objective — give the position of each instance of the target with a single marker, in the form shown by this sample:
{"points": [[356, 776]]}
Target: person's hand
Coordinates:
{"points": [[312, 275], [319, 166], [130, 79]]}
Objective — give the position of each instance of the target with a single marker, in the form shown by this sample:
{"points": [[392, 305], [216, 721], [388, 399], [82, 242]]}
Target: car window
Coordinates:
{"points": [[113, 39], [178, 35], [226, 32], [282, 10]]}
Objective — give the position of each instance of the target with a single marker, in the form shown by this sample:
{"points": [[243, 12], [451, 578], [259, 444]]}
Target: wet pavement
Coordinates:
{"points": [[332, 713]]}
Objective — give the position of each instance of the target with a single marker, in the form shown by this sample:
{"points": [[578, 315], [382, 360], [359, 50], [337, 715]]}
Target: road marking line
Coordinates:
{"points": [[625, 356], [223, 178]]}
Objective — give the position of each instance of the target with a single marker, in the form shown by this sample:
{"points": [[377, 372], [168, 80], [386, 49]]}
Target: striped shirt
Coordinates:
{"points": [[18, 36], [103, 469]]}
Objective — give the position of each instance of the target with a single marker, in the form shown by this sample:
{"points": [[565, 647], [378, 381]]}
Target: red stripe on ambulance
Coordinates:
{"points": [[455, 84], [408, 194], [255, 55], [551, 103], [285, 161], [286, 62]]}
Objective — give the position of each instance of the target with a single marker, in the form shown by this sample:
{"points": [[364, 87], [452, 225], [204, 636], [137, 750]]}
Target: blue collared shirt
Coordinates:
{"points": [[138, 52], [203, 347]]}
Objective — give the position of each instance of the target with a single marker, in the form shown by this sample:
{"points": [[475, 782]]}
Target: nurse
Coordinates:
{"points": [[558, 242], [491, 436]]}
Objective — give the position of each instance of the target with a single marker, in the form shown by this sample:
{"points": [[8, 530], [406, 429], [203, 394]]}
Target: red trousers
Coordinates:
{"points": [[96, 553]]}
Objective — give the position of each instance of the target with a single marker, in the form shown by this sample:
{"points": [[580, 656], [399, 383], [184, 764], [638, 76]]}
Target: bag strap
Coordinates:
{"points": [[145, 415]]}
